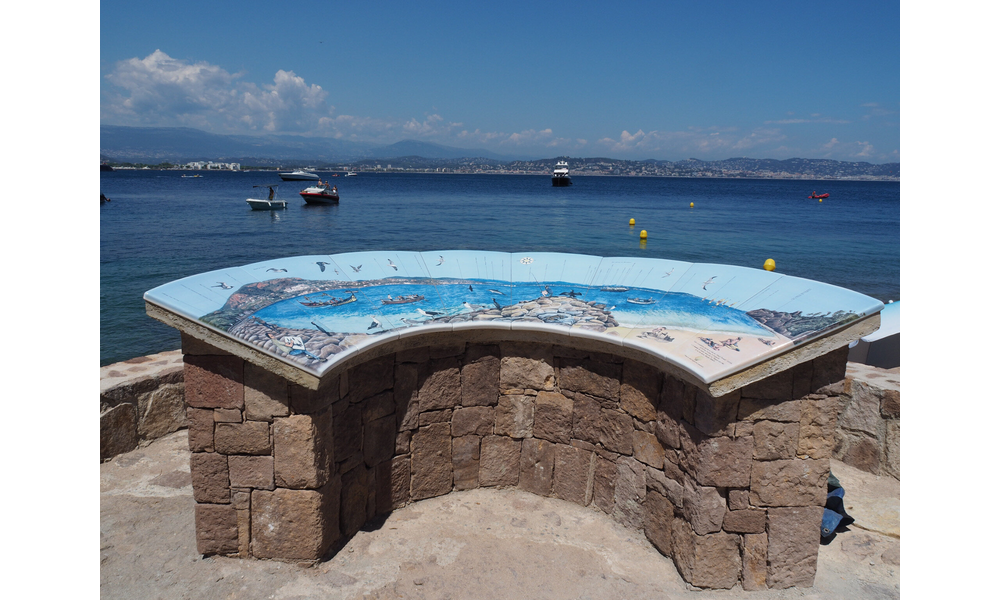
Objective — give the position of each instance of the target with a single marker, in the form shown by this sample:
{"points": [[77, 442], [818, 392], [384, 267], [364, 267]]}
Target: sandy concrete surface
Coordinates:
{"points": [[480, 544]]}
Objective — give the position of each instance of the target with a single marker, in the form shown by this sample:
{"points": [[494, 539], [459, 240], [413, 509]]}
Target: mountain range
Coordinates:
{"points": [[180, 145]]}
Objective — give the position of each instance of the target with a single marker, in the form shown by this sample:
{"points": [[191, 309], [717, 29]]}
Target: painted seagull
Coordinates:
{"points": [[429, 313], [470, 289], [223, 285], [375, 323], [472, 306], [667, 274], [317, 326], [278, 270], [497, 292], [708, 281], [394, 267], [357, 268], [440, 260], [322, 265]]}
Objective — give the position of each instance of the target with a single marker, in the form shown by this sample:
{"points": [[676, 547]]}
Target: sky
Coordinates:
{"points": [[636, 80]]}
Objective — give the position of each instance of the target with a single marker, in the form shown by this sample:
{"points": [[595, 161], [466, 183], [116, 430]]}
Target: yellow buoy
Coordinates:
{"points": [[631, 222], [642, 234], [769, 264], [692, 205], [820, 199]]}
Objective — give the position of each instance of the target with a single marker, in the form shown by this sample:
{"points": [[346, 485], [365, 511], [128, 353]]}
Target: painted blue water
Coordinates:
{"points": [[160, 227]]}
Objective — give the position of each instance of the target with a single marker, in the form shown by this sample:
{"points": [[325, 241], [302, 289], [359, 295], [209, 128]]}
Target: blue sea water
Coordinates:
{"points": [[160, 227]]}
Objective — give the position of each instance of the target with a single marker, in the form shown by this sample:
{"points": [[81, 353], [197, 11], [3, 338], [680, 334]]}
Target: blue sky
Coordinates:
{"points": [[664, 80]]}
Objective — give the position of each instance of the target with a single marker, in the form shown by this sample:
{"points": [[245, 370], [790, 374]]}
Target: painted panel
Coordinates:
{"points": [[314, 311]]}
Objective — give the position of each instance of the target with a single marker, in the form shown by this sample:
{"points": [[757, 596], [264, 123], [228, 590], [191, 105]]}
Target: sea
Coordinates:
{"points": [[161, 226]]}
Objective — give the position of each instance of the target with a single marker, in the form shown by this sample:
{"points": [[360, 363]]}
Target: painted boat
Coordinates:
{"points": [[614, 289], [642, 301], [330, 303], [404, 299]]}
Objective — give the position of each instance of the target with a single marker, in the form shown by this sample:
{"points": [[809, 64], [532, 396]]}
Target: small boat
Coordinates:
{"points": [[330, 303], [816, 196], [106, 167], [269, 203], [299, 175], [643, 301], [404, 299], [350, 174], [190, 176], [560, 175], [613, 288], [321, 193]]}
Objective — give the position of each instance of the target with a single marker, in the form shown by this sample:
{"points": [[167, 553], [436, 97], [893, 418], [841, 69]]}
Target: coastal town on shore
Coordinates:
{"points": [[731, 168]]}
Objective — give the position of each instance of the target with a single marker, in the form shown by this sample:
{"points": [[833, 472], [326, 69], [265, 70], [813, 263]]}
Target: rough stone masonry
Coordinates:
{"points": [[731, 488]]}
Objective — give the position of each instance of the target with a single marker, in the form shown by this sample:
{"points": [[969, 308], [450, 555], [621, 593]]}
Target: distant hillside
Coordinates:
{"points": [[179, 145]]}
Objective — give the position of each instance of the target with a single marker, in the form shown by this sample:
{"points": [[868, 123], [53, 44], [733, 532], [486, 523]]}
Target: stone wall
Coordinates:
{"points": [[868, 431], [142, 399], [730, 488]]}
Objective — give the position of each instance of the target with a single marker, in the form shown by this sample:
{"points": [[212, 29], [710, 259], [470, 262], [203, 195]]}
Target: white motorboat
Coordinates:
{"points": [[299, 175], [269, 203], [560, 175], [350, 174]]}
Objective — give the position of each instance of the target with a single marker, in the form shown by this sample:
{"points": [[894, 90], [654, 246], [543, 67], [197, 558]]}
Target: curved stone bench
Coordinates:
{"points": [[292, 453]]}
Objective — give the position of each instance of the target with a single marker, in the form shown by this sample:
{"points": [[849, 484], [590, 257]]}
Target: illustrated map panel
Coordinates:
{"points": [[711, 320]]}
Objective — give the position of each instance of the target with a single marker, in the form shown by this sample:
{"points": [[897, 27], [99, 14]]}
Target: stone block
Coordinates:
{"points": [[863, 411], [118, 431], [671, 489], [441, 386], [406, 396], [777, 387], [164, 412], [371, 377], [591, 377], [640, 389], [348, 433], [802, 379], [526, 366], [817, 429], [213, 381], [537, 465], [500, 459], [647, 449], [227, 415], [400, 481], [210, 477], [829, 368], [383, 488], [754, 562], [304, 401], [380, 440], [667, 430], [515, 416], [676, 400], [704, 508], [753, 409], [750, 520], [356, 487], [792, 545], [796, 482], [706, 561], [889, 408], [739, 499], [243, 531], [773, 440], [659, 520], [251, 437], [474, 420], [303, 450], [201, 430], [436, 416], [630, 492], [724, 462], [378, 406], [605, 476], [716, 416], [431, 461], [891, 464], [553, 418], [403, 442], [251, 472], [465, 461], [265, 394], [573, 479], [216, 530], [294, 524], [615, 431], [859, 451], [481, 376]]}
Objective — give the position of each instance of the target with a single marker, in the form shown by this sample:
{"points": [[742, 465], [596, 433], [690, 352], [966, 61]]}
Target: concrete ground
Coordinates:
{"points": [[479, 544]]}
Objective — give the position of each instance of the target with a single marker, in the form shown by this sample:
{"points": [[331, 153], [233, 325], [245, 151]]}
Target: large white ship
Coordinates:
{"points": [[560, 175]]}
